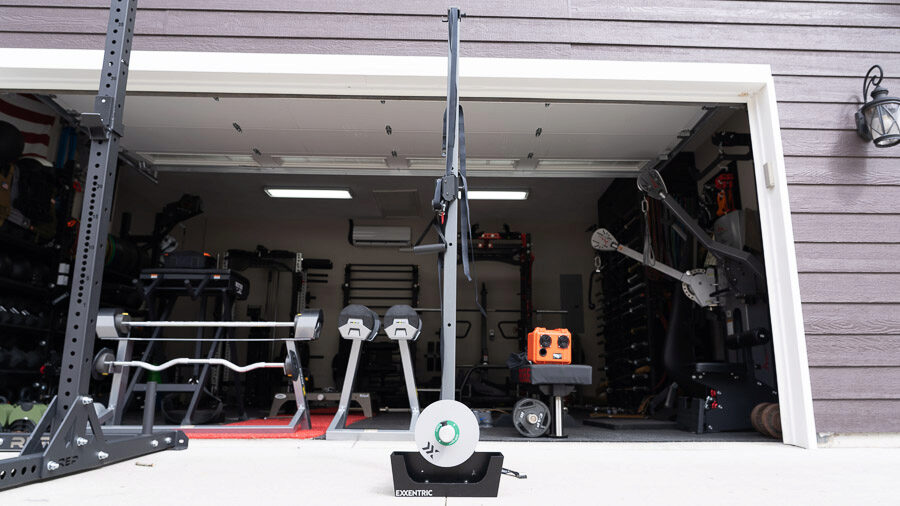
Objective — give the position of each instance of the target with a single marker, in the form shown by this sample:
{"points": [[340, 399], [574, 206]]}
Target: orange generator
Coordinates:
{"points": [[550, 346]]}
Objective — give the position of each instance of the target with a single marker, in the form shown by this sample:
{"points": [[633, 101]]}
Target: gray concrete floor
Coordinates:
{"points": [[270, 472]]}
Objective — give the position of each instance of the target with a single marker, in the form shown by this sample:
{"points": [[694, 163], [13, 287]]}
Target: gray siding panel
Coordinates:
{"points": [[852, 319], [854, 351], [811, 142], [852, 415], [845, 194], [852, 258], [857, 382], [846, 228], [428, 27], [828, 170], [852, 288], [859, 199]]}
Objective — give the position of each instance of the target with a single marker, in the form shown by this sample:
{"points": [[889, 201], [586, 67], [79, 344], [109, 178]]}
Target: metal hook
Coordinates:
{"points": [[872, 79]]}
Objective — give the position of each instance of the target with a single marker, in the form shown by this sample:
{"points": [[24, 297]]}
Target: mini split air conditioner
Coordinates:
{"points": [[379, 236]]}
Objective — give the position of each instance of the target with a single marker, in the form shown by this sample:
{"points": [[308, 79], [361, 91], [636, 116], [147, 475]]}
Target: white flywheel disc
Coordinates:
{"points": [[446, 433]]}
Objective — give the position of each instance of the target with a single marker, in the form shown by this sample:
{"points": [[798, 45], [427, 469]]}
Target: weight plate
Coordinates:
{"points": [[755, 418], [531, 417], [771, 420], [446, 433]]}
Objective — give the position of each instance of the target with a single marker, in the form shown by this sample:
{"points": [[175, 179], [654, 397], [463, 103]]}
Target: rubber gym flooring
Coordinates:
{"points": [[576, 431]]}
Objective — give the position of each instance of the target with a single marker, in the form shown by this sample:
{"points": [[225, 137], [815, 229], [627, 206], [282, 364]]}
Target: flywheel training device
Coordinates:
{"points": [[445, 463]]}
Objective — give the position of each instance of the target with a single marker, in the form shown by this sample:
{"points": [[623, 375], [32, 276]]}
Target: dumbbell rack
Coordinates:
{"points": [[627, 313], [378, 287], [29, 339]]}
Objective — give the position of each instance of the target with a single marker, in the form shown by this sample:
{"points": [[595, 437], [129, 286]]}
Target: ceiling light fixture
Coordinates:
{"points": [[498, 194], [879, 119], [308, 193]]}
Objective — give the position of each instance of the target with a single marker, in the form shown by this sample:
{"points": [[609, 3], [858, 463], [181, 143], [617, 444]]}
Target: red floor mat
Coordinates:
{"points": [[319, 425]]}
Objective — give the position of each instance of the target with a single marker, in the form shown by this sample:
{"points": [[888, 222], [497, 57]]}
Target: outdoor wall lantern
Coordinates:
{"points": [[879, 119]]}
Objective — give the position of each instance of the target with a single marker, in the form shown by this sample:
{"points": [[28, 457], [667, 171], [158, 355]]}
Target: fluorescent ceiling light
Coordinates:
{"points": [[471, 163], [285, 161], [573, 164], [309, 193], [498, 194], [223, 160], [338, 162]]}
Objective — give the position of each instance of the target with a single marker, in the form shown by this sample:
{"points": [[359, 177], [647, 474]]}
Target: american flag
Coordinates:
{"points": [[35, 120]]}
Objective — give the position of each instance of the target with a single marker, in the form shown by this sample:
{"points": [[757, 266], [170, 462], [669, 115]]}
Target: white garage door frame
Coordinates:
{"points": [[68, 71]]}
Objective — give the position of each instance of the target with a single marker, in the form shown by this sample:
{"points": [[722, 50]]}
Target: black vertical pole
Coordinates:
{"points": [[106, 130]]}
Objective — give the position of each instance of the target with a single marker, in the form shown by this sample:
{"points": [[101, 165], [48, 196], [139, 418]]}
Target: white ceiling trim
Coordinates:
{"points": [[514, 173], [76, 70]]}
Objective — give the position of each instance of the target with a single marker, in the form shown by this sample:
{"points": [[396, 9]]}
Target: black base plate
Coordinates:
{"points": [[479, 476]]}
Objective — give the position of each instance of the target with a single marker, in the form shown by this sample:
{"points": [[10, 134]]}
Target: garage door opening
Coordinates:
{"points": [[674, 356], [674, 98]]}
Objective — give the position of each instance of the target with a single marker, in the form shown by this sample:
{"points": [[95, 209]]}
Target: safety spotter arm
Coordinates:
{"points": [[698, 284], [651, 183]]}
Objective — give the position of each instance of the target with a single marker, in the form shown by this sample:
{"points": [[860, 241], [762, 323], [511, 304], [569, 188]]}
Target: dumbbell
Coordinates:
{"points": [[21, 270], [40, 274], [33, 359], [18, 317], [357, 322], [35, 320], [15, 358], [5, 264], [5, 314]]}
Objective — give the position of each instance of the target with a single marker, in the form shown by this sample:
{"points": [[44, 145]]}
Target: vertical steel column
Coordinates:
{"points": [[451, 228], [77, 442], [106, 130]]}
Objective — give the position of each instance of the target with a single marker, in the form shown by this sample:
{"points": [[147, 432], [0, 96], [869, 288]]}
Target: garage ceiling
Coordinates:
{"points": [[613, 137], [241, 196]]}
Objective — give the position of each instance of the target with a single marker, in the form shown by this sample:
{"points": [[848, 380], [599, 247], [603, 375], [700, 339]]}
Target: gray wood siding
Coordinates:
{"points": [[845, 194]]}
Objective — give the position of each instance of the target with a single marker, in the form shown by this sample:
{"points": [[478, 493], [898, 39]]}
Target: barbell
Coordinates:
{"points": [[105, 363], [116, 325]]}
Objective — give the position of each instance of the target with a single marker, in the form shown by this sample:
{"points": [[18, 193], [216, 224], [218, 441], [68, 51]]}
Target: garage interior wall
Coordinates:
{"points": [[844, 192], [559, 248]]}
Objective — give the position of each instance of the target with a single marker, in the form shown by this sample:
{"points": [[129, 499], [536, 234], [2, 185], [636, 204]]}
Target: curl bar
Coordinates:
{"points": [[115, 324], [105, 364]]}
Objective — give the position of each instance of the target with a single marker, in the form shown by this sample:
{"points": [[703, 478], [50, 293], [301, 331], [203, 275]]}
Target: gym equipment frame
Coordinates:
{"points": [[360, 324], [479, 475], [77, 440]]}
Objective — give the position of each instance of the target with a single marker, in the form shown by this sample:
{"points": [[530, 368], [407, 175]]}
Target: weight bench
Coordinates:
{"points": [[555, 380]]}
